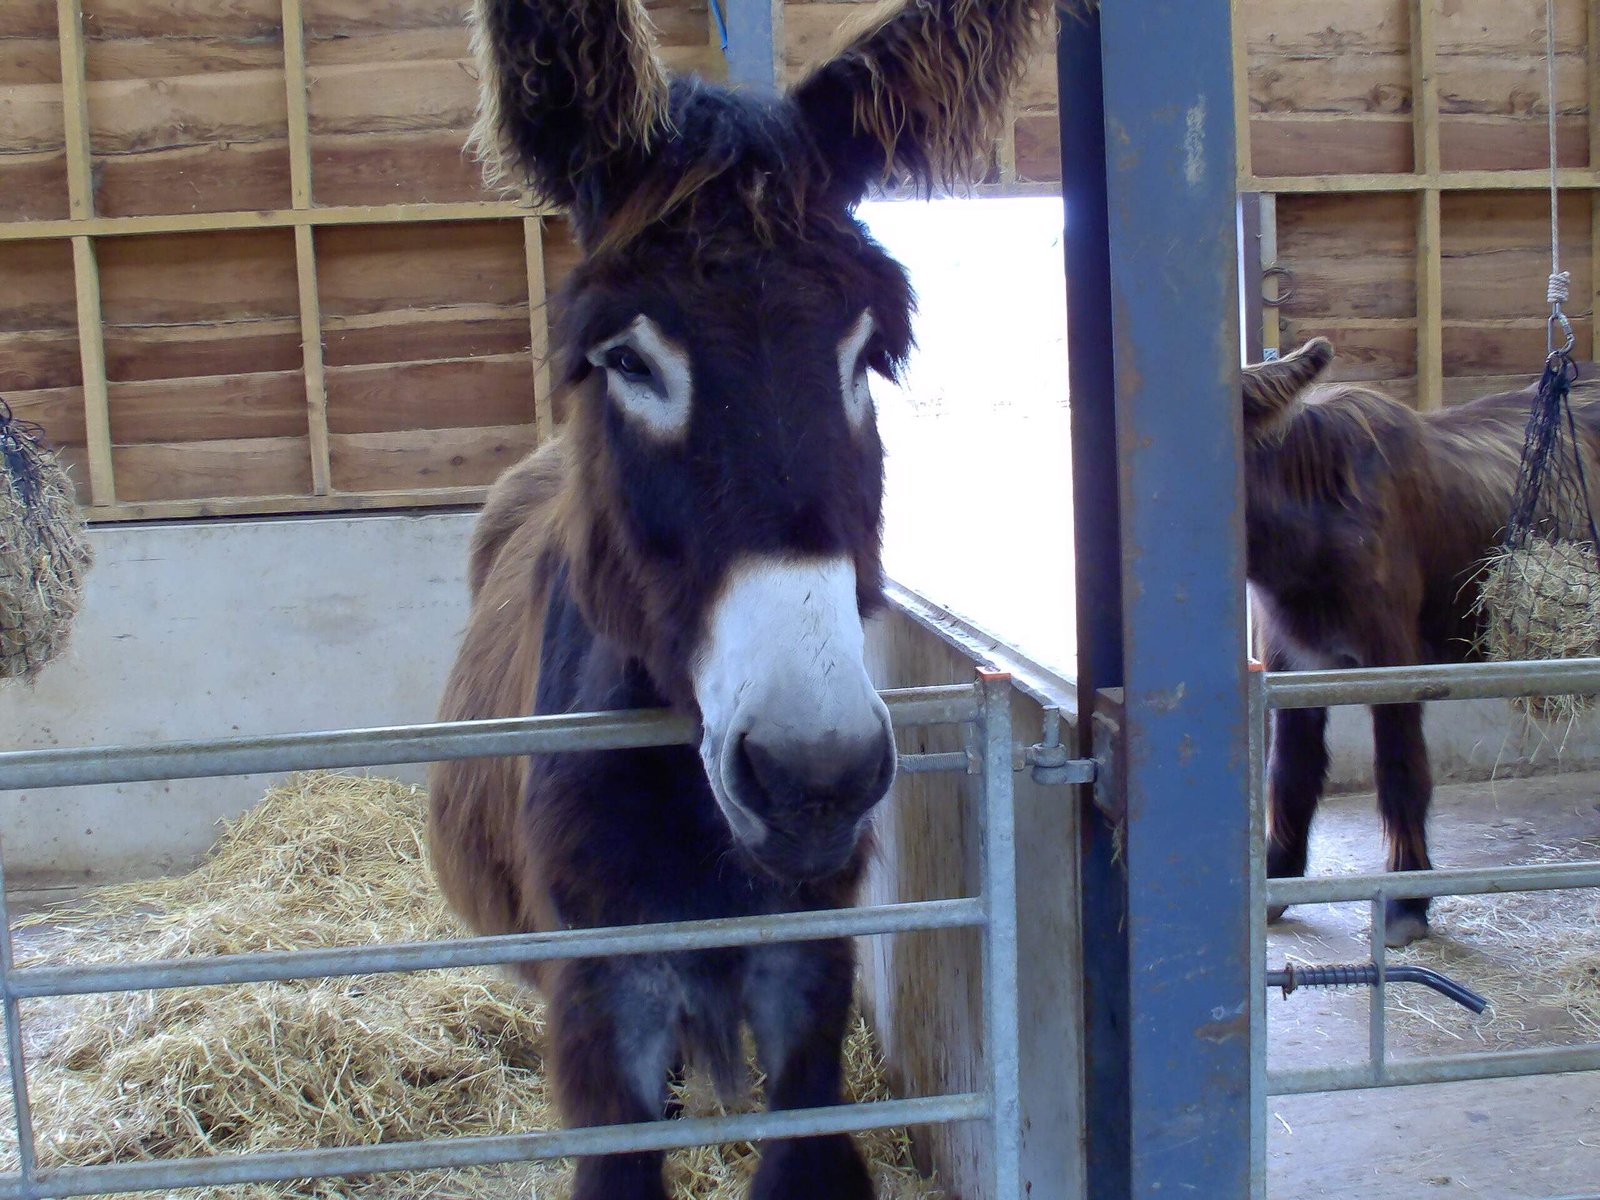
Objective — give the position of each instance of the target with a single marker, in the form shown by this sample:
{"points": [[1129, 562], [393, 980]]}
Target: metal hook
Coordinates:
{"points": [[1284, 293]]}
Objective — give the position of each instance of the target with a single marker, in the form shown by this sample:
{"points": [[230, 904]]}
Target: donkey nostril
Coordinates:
{"points": [[834, 773]]}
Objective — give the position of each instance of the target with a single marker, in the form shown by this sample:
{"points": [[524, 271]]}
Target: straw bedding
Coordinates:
{"points": [[325, 860], [1542, 601], [1536, 955]]}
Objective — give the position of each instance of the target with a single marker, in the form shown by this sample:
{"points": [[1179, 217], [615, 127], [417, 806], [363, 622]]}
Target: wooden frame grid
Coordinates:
{"points": [[1427, 180], [84, 229]]}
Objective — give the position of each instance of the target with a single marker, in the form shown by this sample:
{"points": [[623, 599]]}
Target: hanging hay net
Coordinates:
{"points": [[326, 860], [43, 553], [1540, 590]]}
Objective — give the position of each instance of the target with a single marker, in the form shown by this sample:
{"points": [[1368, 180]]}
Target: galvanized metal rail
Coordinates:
{"points": [[985, 706], [1397, 685]]}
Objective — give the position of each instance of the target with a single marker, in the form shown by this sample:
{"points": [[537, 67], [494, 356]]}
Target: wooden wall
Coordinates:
{"points": [[245, 265], [1403, 147]]}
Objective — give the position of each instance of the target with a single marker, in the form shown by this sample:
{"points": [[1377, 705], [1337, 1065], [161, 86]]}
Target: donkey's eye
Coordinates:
{"points": [[629, 363]]}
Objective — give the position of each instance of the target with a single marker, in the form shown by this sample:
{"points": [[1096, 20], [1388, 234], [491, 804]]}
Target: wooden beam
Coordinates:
{"points": [[539, 327], [92, 352], [170, 510], [75, 110], [305, 257], [1430, 304], [1271, 285], [1241, 96], [287, 218], [1594, 166], [1425, 154], [294, 82], [1574, 178]]}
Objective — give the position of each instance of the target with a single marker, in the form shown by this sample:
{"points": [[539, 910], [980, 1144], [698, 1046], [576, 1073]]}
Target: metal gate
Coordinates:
{"points": [[983, 707], [1398, 685]]}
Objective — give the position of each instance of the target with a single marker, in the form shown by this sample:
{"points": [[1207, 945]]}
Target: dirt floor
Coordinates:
{"points": [[1536, 957]]}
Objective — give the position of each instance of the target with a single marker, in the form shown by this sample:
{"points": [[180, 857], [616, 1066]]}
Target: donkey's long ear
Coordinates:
{"points": [[570, 92], [921, 92], [1271, 388]]}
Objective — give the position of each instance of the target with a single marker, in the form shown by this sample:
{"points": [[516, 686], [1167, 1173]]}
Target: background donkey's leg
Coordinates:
{"points": [[797, 1000], [1405, 790], [613, 1042], [1297, 770]]}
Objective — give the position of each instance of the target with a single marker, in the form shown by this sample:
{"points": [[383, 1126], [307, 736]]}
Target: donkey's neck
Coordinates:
{"points": [[581, 671]]}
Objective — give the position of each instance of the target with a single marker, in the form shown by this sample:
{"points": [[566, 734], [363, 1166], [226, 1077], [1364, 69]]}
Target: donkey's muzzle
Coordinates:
{"points": [[811, 798]]}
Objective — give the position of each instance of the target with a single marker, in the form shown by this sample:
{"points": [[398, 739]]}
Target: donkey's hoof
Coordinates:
{"points": [[1404, 928], [819, 1168]]}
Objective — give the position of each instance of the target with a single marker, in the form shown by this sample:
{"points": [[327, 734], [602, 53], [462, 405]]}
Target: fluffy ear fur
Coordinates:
{"points": [[1271, 388], [920, 93], [570, 94]]}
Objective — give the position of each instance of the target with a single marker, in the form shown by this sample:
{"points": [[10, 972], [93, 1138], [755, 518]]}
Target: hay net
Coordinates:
{"points": [[1540, 595], [43, 551]]}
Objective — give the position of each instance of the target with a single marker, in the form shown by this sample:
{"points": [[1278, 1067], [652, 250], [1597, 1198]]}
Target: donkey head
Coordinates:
{"points": [[722, 522]]}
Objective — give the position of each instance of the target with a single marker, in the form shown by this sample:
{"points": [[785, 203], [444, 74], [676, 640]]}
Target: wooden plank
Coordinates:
{"points": [[1330, 145], [91, 347], [33, 188], [1425, 152], [75, 111], [39, 293], [242, 506], [299, 122], [1448, 181], [211, 177], [176, 55], [474, 267], [176, 351], [422, 334], [208, 278], [1370, 352], [316, 384], [57, 410], [1241, 94], [238, 19], [1430, 300], [1502, 347], [209, 408], [366, 462], [198, 222], [1038, 148], [38, 359], [413, 167], [1497, 254], [406, 397], [538, 327], [209, 469]]}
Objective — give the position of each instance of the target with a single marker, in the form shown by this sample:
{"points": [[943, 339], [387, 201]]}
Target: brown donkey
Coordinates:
{"points": [[703, 534], [1367, 525]]}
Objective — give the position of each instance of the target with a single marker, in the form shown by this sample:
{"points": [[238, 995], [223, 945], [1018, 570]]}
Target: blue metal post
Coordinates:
{"points": [[753, 29], [1173, 928]]}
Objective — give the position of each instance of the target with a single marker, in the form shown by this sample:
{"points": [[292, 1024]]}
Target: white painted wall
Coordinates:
{"points": [[215, 628]]}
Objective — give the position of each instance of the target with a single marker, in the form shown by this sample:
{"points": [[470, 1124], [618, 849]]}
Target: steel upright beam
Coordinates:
{"points": [[755, 38], [1167, 921]]}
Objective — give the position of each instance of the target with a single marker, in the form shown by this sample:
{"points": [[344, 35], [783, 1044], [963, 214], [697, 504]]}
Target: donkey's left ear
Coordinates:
{"points": [[920, 94]]}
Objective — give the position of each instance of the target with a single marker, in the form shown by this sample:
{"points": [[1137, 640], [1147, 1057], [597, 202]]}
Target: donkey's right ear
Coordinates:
{"points": [[570, 95], [1271, 388]]}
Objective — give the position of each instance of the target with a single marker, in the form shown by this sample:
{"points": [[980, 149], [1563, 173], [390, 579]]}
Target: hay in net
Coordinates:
{"points": [[326, 860], [43, 554], [1541, 600], [1539, 595]]}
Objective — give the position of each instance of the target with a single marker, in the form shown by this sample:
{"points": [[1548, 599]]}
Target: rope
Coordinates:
{"points": [[1559, 286]]}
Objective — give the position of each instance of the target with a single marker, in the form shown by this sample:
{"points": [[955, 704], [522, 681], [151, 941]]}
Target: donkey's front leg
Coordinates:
{"points": [[1405, 792], [797, 1000], [612, 1046], [1297, 770]]}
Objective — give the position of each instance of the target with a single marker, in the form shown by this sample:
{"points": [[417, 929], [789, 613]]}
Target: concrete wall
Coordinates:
{"points": [[218, 628], [263, 626]]}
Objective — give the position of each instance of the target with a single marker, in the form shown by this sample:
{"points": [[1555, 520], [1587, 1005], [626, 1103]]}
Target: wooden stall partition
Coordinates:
{"points": [[1403, 145], [246, 265]]}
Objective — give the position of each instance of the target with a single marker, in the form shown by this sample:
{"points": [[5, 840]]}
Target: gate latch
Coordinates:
{"points": [[1051, 763]]}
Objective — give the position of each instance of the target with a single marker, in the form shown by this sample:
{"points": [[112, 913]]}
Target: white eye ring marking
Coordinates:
{"points": [[659, 406], [853, 382]]}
